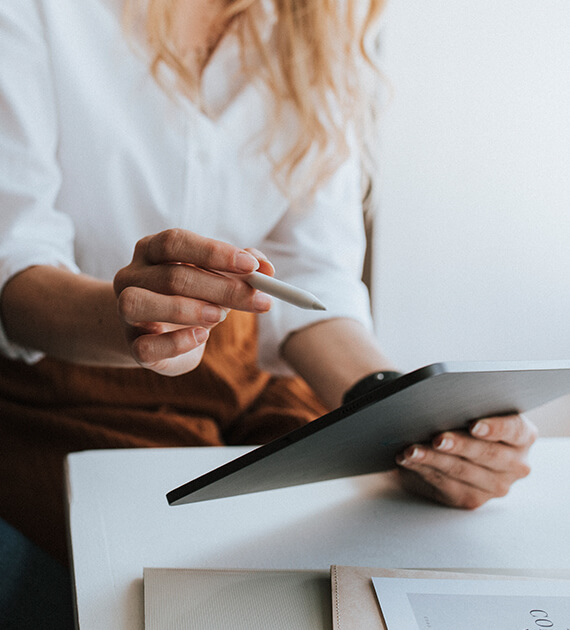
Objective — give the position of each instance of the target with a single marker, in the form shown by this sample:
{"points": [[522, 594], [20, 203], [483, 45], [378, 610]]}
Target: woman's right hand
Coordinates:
{"points": [[170, 296]]}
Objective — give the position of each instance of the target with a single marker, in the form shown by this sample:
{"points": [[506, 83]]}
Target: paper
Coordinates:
{"points": [[416, 604]]}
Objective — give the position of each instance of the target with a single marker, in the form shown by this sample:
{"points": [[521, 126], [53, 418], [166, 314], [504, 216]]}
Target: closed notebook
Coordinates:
{"points": [[202, 599]]}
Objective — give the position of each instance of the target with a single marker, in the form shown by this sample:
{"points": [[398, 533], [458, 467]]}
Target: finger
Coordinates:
{"points": [[516, 430], [137, 305], [183, 246], [150, 350], [448, 491], [265, 265], [187, 281], [495, 456], [440, 469]]}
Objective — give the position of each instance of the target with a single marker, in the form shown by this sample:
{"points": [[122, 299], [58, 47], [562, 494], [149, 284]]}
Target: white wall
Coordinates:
{"points": [[472, 250]]}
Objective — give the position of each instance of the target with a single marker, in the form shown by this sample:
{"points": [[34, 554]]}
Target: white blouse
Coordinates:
{"points": [[95, 155]]}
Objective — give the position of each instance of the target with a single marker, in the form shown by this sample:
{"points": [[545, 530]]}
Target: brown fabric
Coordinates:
{"points": [[54, 408]]}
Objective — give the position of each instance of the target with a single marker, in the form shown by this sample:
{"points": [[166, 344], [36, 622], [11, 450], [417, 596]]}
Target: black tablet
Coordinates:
{"points": [[365, 435]]}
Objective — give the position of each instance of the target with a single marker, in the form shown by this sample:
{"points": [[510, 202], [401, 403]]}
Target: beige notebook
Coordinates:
{"points": [[201, 599], [354, 601]]}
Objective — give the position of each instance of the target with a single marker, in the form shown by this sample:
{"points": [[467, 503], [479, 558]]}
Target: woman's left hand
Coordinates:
{"points": [[465, 469]]}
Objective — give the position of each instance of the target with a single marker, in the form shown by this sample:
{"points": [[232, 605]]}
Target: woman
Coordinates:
{"points": [[209, 138]]}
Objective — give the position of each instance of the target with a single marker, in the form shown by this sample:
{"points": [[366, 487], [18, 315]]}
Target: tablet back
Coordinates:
{"points": [[365, 435]]}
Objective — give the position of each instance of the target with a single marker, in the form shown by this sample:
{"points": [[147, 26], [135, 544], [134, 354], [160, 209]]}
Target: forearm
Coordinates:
{"points": [[333, 355], [67, 316]]}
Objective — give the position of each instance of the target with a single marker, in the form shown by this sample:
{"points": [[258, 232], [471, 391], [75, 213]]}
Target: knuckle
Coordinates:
{"points": [[168, 242], [460, 497], [143, 350], [449, 466], [466, 498], [435, 477], [523, 470], [502, 488], [181, 342], [471, 501], [120, 281], [489, 451], [235, 292], [155, 350], [210, 251], [175, 345], [458, 468], [128, 304], [178, 310], [229, 292], [142, 246], [176, 280]]}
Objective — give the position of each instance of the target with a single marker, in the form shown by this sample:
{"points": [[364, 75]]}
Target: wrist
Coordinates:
{"points": [[369, 383]]}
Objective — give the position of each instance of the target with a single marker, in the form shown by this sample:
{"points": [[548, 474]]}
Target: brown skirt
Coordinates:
{"points": [[54, 408]]}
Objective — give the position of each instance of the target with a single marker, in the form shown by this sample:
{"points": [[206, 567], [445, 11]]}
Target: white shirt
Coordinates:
{"points": [[95, 155]]}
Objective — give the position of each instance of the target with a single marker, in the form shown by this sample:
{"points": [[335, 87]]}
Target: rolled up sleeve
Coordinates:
{"points": [[32, 230], [319, 247]]}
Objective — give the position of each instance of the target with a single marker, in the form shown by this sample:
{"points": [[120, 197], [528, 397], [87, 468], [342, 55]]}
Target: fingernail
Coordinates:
{"points": [[246, 262], [443, 443], [261, 256], [213, 314], [201, 335], [268, 262], [410, 455], [261, 302], [480, 429]]}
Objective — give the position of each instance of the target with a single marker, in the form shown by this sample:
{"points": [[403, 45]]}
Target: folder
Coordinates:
{"points": [[203, 599], [355, 604]]}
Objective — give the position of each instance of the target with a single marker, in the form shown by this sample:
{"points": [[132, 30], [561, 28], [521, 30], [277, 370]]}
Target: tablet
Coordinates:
{"points": [[365, 435]]}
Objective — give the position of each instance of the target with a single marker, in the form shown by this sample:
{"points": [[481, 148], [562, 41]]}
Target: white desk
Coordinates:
{"points": [[120, 522]]}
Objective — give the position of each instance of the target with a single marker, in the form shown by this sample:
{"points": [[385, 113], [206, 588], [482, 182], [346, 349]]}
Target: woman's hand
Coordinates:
{"points": [[170, 296], [466, 469]]}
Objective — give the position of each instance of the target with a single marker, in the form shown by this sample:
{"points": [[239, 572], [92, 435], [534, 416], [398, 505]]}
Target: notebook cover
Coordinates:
{"points": [[203, 599]]}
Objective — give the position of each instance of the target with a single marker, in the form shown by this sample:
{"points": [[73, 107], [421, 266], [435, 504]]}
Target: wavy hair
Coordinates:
{"points": [[321, 60]]}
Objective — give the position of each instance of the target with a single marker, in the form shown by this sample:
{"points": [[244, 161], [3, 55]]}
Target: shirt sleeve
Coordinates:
{"points": [[319, 248], [32, 230]]}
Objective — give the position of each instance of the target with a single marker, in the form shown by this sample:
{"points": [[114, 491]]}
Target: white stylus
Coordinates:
{"points": [[283, 291]]}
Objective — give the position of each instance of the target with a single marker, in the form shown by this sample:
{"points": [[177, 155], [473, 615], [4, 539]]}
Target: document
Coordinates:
{"points": [[442, 604]]}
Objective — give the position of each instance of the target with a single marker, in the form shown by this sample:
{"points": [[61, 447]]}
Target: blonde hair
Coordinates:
{"points": [[321, 61]]}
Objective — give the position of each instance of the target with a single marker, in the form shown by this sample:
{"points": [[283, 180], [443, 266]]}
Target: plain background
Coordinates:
{"points": [[472, 240]]}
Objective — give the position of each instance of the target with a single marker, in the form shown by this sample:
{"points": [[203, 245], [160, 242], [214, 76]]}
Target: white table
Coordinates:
{"points": [[120, 522]]}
